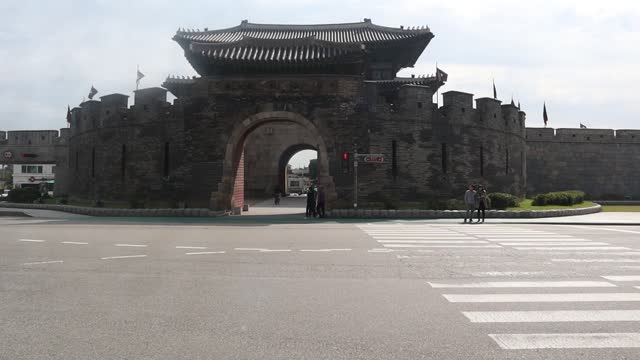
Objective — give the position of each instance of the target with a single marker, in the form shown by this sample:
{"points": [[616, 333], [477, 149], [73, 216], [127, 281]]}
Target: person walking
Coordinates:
{"points": [[481, 195], [311, 202], [470, 202], [276, 197], [320, 199]]}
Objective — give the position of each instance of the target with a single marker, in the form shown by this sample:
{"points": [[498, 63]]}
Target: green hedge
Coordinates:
{"points": [[26, 195], [502, 200], [566, 198]]}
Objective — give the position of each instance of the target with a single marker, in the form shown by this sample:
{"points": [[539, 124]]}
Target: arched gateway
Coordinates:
{"points": [[231, 189], [330, 87]]}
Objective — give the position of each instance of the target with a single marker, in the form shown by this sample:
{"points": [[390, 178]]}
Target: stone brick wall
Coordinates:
{"points": [[210, 124], [601, 162]]}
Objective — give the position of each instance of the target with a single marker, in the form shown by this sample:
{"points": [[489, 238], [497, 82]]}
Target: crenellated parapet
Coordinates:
{"points": [[150, 105], [577, 135]]}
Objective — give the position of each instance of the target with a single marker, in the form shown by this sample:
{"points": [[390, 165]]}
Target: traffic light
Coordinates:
{"points": [[345, 163]]}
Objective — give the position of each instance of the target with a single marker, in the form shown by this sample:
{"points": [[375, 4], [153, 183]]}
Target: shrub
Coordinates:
{"points": [[444, 204], [502, 200], [26, 195], [565, 198]]}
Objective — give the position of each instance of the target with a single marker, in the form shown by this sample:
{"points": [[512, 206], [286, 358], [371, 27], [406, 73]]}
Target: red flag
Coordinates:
{"points": [[544, 114], [68, 114]]}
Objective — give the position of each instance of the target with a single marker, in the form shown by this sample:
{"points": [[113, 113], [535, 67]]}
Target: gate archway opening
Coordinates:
{"points": [[295, 169], [242, 156]]}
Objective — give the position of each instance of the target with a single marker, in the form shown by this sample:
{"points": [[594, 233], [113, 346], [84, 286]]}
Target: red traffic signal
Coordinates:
{"points": [[345, 156]]}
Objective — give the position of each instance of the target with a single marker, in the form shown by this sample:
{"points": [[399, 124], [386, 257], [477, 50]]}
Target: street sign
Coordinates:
{"points": [[7, 155], [372, 158]]}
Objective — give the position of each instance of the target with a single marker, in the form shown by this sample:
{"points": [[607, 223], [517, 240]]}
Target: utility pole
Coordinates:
{"points": [[355, 175]]}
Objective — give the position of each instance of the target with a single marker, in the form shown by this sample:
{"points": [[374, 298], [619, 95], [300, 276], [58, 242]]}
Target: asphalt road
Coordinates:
{"points": [[385, 290]]}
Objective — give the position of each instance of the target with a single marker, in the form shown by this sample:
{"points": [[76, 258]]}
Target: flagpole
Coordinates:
{"points": [[437, 90], [137, 80]]}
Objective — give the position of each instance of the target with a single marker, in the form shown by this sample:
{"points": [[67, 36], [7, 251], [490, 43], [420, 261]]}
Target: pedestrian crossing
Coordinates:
{"points": [[509, 311], [403, 236], [571, 293]]}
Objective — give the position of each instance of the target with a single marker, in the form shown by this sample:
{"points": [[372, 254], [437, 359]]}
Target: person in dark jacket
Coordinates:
{"points": [[320, 200], [311, 202], [481, 201]]}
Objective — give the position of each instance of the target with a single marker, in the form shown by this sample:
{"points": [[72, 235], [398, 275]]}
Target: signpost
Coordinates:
{"points": [[366, 158], [373, 158]]}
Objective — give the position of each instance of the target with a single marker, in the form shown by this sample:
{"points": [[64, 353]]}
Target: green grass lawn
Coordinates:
{"points": [[621, 208], [526, 205]]}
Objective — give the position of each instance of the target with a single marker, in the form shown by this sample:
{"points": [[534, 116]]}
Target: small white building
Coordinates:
{"points": [[297, 183], [33, 175]]}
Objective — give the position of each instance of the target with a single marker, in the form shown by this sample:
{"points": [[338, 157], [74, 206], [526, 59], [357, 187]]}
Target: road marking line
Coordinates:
{"points": [[622, 277], [567, 341], [204, 253], [132, 245], [44, 262], [621, 253], [543, 298], [553, 243], [541, 236], [442, 246], [400, 237], [75, 242], [570, 248], [601, 228], [597, 260], [542, 240], [380, 250], [262, 250], [191, 247], [523, 284], [122, 257], [507, 273], [31, 240], [551, 316], [432, 242], [324, 250]]}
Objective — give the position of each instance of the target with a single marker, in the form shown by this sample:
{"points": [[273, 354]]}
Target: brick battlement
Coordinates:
{"points": [[582, 135]]}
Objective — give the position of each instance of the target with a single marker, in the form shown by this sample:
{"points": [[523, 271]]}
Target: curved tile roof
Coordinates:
{"points": [[361, 32]]}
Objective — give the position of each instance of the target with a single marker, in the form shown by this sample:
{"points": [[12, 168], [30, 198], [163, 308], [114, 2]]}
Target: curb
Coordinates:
{"points": [[457, 214], [111, 212], [13, 214]]}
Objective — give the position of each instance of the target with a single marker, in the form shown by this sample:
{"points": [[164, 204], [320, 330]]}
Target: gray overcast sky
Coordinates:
{"points": [[579, 56]]}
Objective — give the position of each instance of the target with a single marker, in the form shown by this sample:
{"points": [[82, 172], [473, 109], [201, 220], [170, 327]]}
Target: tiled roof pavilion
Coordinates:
{"points": [[376, 51]]}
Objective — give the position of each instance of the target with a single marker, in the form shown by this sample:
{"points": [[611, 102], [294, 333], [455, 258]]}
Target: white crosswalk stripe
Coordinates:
{"points": [[507, 313], [567, 341], [512, 297]]}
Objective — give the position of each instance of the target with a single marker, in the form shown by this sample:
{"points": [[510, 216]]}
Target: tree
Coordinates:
{"points": [[6, 176], [313, 168]]}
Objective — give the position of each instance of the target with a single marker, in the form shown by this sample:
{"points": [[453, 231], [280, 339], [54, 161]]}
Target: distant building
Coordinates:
{"points": [[28, 175], [297, 183]]}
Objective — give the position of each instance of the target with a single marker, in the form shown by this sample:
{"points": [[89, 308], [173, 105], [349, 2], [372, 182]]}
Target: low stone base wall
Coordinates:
{"points": [[119, 212], [457, 214], [619, 202]]}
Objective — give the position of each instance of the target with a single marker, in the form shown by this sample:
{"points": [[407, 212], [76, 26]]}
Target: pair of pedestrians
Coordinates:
{"points": [[315, 202], [475, 198]]}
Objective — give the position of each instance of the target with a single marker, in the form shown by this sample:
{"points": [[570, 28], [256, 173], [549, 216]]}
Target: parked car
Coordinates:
{"points": [[5, 194]]}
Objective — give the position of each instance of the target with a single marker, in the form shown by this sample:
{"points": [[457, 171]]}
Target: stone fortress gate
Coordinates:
{"points": [[267, 91]]}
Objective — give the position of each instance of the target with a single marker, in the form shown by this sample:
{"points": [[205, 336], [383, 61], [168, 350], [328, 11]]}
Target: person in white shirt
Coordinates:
{"points": [[470, 202]]}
